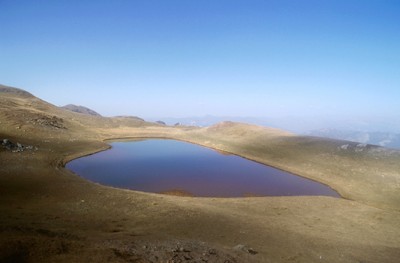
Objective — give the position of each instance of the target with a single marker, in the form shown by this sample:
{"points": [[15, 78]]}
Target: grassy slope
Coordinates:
{"points": [[48, 214], [368, 174]]}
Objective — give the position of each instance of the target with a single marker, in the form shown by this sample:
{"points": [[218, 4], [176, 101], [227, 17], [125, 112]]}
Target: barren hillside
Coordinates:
{"points": [[48, 214]]}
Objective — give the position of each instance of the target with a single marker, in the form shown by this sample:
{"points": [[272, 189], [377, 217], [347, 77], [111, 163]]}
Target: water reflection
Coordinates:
{"points": [[169, 166]]}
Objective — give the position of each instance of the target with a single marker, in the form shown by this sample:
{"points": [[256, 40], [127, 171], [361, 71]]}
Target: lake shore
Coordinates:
{"points": [[172, 166]]}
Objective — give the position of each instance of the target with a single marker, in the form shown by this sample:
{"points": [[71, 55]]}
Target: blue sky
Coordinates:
{"points": [[192, 58]]}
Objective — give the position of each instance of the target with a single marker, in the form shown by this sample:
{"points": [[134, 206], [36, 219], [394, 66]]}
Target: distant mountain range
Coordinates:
{"points": [[351, 130], [377, 131], [300, 125], [386, 139]]}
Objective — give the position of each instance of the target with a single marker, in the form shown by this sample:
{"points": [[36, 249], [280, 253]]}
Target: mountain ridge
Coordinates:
{"points": [[80, 109], [16, 91]]}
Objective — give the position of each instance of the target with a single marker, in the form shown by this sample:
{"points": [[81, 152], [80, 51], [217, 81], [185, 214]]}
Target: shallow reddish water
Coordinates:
{"points": [[164, 165]]}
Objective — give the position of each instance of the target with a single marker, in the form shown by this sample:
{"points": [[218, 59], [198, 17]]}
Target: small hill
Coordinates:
{"points": [[22, 113], [80, 109], [16, 91], [135, 118]]}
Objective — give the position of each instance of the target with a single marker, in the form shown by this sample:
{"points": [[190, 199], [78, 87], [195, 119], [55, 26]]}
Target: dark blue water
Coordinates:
{"points": [[167, 165]]}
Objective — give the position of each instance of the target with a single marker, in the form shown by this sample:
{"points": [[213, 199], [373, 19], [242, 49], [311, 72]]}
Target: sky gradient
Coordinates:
{"points": [[192, 58]]}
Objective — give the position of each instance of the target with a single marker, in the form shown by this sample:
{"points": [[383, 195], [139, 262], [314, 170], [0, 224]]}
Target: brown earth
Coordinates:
{"points": [[48, 214]]}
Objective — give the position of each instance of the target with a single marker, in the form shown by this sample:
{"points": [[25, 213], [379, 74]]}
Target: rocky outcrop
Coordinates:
{"points": [[49, 121], [16, 147]]}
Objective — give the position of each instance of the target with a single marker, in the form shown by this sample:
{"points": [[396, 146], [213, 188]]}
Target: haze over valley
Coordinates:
{"points": [[378, 131]]}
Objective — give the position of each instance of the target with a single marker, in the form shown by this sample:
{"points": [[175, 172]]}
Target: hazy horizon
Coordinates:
{"points": [[324, 60]]}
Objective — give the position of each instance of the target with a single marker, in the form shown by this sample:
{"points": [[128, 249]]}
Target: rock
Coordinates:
{"points": [[244, 248], [239, 247], [18, 148], [8, 144], [344, 147], [212, 252], [161, 122], [252, 251], [181, 249]]}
